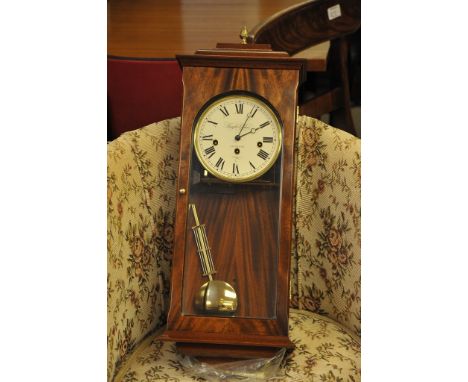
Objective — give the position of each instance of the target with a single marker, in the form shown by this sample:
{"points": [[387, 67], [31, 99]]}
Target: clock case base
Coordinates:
{"points": [[203, 347], [276, 77]]}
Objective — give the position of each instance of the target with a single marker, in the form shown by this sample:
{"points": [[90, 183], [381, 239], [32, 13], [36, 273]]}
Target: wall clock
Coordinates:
{"points": [[230, 270]]}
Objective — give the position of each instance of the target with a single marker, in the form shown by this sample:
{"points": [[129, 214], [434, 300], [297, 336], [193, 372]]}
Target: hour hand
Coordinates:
{"points": [[254, 129]]}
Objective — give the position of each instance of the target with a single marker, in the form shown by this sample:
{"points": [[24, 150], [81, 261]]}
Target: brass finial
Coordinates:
{"points": [[244, 33]]}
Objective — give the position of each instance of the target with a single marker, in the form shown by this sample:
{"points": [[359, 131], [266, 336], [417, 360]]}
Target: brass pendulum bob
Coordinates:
{"points": [[215, 296]]}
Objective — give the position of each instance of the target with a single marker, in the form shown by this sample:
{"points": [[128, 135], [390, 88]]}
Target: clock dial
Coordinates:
{"points": [[237, 138]]}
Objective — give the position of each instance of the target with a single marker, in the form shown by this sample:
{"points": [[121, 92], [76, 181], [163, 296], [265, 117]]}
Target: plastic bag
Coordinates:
{"points": [[250, 370]]}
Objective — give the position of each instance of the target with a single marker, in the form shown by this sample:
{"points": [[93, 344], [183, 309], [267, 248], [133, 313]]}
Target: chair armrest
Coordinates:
{"points": [[141, 176], [327, 257]]}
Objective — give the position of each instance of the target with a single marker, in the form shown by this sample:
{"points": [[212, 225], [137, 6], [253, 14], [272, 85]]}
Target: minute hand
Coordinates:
{"points": [[238, 136]]}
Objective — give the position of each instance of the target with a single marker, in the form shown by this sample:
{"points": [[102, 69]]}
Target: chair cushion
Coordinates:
{"points": [[325, 351]]}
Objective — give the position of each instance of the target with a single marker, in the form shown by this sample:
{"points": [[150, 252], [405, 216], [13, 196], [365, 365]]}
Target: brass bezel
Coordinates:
{"points": [[222, 98]]}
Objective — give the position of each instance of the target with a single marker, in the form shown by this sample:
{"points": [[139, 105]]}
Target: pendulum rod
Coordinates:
{"points": [[203, 248]]}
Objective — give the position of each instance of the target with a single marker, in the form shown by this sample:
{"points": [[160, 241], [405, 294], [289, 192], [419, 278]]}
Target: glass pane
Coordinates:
{"points": [[240, 224]]}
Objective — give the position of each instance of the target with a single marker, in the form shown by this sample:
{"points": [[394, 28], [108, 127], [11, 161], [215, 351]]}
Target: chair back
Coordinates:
{"points": [[313, 22], [140, 92]]}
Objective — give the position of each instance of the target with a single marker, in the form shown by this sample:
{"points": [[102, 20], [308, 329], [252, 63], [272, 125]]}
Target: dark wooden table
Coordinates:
{"points": [[164, 28]]}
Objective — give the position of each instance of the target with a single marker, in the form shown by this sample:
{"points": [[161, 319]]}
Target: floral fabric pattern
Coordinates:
{"points": [[325, 271], [141, 175], [325, 351], [327, 225]]}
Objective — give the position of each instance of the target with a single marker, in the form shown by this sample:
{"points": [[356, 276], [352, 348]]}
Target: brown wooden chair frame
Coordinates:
{"points": [[301, 26]]}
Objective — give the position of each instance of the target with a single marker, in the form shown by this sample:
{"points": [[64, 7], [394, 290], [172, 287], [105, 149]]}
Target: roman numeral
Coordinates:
{"points": [[223, 110], [264, 124], [262, 154], [267, 139], [210, 150], [252, 165], [240, 108], [214, 123], [235, 169], [219, 163], [253, 111], [209, 137]]}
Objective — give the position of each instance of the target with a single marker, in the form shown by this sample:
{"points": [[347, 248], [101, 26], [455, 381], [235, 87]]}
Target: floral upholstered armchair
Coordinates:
{"points": [[325, 274]]}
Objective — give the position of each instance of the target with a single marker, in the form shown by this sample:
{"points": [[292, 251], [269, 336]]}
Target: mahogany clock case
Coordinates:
{"points": [[248, 225]]}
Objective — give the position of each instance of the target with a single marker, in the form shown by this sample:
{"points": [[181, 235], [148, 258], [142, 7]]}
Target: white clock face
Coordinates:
{"points": [[237, 138]]}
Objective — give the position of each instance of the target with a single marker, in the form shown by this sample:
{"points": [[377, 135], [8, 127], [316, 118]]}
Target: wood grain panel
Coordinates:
{"points": [[163, 28], [258, 260], [242, 229]]}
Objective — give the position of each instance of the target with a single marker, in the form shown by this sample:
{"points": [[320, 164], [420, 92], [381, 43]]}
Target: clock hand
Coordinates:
{"points": [[238, 136], [252, 131]]}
